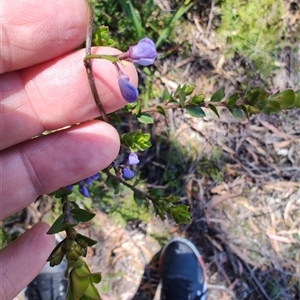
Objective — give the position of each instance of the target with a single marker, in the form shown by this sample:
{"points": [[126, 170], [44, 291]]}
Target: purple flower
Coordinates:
{"points": [[132, 159], [127, 173], [144, 53], [83, 183], [128, 91], [83, 190], [70, 187], [88, 181]]}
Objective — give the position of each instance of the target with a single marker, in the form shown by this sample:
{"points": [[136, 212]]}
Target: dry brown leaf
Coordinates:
{"points": [[272, 128], [282, 239], [217, 200], [274, 244]]}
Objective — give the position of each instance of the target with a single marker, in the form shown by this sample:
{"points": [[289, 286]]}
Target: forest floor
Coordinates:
{"points": [[240, 177]]}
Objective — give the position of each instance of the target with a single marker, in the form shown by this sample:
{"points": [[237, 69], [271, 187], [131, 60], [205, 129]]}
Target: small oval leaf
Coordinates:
{"points": [[196, 99], [196, 112], [218, 95], [161, 110], [297, 99], [232, 100], [236, 112], [214, 109], [82, 215], [286, 99], [60, 225], [145, 118]]}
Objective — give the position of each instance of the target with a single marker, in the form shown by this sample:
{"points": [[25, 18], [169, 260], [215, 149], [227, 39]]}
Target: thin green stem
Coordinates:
{"points": [[176, 106], [153, 109], [111, 58]]}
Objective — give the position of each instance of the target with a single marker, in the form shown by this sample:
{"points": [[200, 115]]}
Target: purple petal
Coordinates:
{"points": [[70, 187], [128, 91], [132, 159], [90, 179], [144, 53], [127, 173], [84, 191]]}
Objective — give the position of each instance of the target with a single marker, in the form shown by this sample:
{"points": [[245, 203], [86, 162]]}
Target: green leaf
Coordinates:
{"points": [[80, 285], [61, 192], [248, 88], [245, 110], [133, 15], [136, 109], [82, 215], [252, 96], [178, 14], [87, 240], [148, 10], [114, 118], [96, 277], [182, 97], [171, 198], [139, 199], [74, 204], [156, 192], [101, 37], [236, 112], [232, 100], [218, 95], [91, 293], [180, 214], [274, 105], [196, 112], [286, 99], [114, 184], [188, 89], [214, 109], [196, 99], [57, 254], [297, 99], [161, 110], [136, 141], [166, 96], [60, 225], [251, 110], [145, 118]]}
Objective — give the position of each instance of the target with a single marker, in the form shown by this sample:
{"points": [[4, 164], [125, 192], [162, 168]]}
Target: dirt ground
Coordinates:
{"points": [[246, 222]]}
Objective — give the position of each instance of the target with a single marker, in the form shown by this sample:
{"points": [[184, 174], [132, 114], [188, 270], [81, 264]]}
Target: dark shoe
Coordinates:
{"points": [[50, 284], [182, 271]]}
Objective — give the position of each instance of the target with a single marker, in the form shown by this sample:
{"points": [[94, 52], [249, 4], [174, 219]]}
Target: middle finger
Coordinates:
{"points": [[55, 94]]}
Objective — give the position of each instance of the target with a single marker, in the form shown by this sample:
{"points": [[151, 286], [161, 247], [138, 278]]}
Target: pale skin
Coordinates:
{"points": [[43, 86]]}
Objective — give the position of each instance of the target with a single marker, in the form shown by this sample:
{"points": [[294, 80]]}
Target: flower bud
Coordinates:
{"points": [[128, 91], [84, 191], [88, 181], [127, 173]]}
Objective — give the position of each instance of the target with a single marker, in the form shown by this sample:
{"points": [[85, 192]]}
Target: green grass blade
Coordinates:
{"points": [[148, 10], [131, 14], [166, 32]]}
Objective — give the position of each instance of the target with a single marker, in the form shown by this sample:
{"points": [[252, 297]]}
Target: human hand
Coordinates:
{"points": [[44, 87]]}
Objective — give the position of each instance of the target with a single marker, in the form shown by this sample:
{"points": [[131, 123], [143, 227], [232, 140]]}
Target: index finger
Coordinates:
{"points": [[34, 31]]}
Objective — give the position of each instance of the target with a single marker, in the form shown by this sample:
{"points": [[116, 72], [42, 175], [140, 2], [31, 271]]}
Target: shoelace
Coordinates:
{"points": [[178, 289]]}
